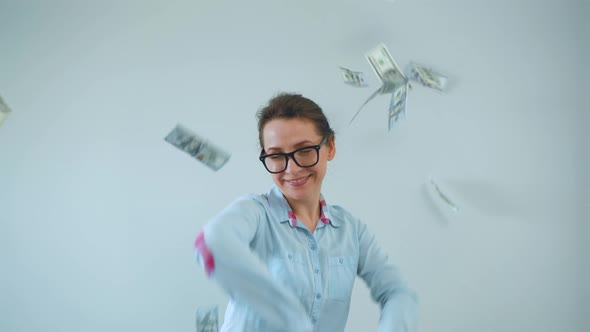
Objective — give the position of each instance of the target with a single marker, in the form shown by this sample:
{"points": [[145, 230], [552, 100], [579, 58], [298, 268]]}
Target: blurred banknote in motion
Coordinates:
{"points": [[4, 110], [354, 78], [397, 105], [426, 76], [207, 319], [385, 88], [435, 188], [197, 147], [384, 66], [393, 81]]}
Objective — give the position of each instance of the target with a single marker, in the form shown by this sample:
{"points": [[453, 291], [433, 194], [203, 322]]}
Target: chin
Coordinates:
{"points": [[299, 192]]}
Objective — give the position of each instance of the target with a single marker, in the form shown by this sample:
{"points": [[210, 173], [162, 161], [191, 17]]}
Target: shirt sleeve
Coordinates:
{"points": [[223, 249], [399, 304]]}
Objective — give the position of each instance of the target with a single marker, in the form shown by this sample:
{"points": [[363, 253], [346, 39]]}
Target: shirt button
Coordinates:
{"points": [[290, 256], [318, 296], [314, 320], [341, 260], [313, 247], [316, 270]]}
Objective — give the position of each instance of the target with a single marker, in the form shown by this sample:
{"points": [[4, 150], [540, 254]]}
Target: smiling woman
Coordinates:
{"points": [[288, 259]]}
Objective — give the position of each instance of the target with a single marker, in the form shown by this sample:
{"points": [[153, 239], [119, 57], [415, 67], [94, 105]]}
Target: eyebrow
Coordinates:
{"points": [[296, 146]]}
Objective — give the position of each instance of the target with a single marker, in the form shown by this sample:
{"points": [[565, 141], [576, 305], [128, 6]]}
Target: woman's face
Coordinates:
{"points": [[287, 135]]}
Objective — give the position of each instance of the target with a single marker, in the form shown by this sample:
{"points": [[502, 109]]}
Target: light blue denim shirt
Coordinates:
{"points": [[280, 277]]}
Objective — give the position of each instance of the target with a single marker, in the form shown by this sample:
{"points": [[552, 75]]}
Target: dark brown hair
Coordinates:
{"points": [[291, 106]]}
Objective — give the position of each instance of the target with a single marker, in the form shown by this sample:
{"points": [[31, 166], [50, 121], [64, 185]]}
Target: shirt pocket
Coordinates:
{"points": [[341, 274], [290, 270]]}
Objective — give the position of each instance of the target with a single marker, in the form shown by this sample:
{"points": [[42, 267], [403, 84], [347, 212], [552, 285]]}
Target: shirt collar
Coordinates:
{"points": [[284, 213]]}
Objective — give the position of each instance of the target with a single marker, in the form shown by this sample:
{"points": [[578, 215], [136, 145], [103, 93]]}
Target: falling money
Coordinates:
{"points": [[426, 76], [384, 66], [207, 319], [442, 195], [197, 147], [4, 110], [397, 105], [393, 81], [354, 78]]}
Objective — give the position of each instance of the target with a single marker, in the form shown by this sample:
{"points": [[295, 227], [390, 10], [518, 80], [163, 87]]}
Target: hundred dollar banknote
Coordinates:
{"points": [[426, 76], [385, 66], [4, 110], [435, 188], [207, 319], [354, 78], [384, 89], [392, 79], [197, 147], [397, 105]]}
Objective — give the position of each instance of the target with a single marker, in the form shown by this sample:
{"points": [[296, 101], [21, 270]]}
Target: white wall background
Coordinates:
{"points": [[585, 153], [98, 213]]}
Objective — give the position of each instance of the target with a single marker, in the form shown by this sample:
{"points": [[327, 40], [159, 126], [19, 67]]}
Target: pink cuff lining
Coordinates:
{"points": [[205, 253]]}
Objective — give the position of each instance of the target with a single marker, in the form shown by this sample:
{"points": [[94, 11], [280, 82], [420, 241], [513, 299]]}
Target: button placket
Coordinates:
{"points": [[317, 278]]}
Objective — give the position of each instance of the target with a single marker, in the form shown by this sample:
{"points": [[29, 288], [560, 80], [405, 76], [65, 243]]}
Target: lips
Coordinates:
{"points": [[298, 182]]}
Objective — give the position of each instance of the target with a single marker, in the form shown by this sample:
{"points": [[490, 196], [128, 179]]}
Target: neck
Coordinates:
{"points": [[307, 211]]}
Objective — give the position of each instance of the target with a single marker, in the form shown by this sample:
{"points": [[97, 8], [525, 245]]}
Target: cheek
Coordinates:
{"points": [[324, 159], [276, 177], [321, 167]]}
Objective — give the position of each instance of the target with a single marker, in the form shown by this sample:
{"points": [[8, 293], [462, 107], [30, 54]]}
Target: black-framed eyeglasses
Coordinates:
{"points": [[305, 157]]}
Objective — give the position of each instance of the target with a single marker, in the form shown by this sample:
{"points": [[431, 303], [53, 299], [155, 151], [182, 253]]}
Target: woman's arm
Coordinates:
{"points": [[399, 308], [223, 249]]}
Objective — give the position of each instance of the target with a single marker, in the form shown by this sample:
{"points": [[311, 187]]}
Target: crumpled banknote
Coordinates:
{"points": [[4, 110], [426, 76], [197, 147]]}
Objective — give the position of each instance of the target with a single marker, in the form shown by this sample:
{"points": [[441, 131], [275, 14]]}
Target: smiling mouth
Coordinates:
{"points": [[299, 181]]}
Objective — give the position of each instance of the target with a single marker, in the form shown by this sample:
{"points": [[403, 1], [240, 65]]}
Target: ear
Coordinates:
{"points": [[331, 148]]}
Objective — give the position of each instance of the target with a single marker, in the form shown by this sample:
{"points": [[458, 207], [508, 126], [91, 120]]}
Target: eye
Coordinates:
{"points": [[305, 151], [274, 156]]}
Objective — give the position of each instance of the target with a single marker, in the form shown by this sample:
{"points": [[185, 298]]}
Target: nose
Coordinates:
{"points": [[292, 166]]}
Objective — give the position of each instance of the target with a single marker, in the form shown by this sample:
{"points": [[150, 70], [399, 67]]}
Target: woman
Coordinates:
{"points": [[288, 259]]}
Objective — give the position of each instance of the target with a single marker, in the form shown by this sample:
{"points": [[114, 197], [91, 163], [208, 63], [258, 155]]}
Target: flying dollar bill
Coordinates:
{"points": [[384, 89], [426, 76], [384, 66], [197, 147], [396, 82], [354, 78], [4, 110], [436, 189], [207, 319], [392, 79], [397, 105]]}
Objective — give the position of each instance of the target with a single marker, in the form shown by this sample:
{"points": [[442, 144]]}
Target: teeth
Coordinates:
{"points": [[298, 180]]}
